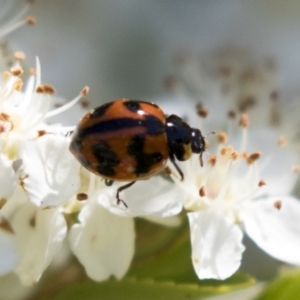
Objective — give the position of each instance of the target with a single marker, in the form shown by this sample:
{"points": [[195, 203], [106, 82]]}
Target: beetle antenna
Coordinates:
{"points": [[212, 132]]}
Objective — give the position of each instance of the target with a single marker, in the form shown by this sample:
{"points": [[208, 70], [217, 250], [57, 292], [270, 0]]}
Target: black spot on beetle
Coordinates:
{"points": [[132, 105], [107, 159], [144, 160], [101, 110]]}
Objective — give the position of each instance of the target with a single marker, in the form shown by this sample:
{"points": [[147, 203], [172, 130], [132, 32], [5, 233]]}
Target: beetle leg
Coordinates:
{"points": [[120, 189], [201, 159], [172, 158], [108, 182]]}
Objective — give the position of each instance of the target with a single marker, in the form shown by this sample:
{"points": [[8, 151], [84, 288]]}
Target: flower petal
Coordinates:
{"points": [[50, 172], [8, 255], [216, 245], [275, 230], [162, 199], [8, 178], [39, 236], [103, 242]]}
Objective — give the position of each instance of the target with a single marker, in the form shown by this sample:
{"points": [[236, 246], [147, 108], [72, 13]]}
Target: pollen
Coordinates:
{"points": [[282, 141], [16, 71], [84, 92], [222, 137], [277, 204], [253, 157], [30, 20]]}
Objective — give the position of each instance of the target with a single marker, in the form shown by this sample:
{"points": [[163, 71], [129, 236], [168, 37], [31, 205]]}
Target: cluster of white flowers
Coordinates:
{"points": [[244, 185], [248, 181]]}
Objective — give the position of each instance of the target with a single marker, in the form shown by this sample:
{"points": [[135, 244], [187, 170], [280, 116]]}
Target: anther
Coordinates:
{"points": [[167, 171], [222, 137], [5, 225], [231, 114], [282, 141], [202, 191], [45, 89], [19, 55], [201, 111], [212, 159], [81, 196], [85, 103], [18, 84], [253, 157], [3, 201], [296, 168], [41, 133], [16, 71], [277, 204], [170, 83], [234, 155], [32, 71], [261, 183], [85, 91], [6, 75], [30, 20], [244, 121]]}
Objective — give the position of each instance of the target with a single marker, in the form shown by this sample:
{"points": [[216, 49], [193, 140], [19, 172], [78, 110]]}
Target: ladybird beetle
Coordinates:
{"points": [[130, 140]]}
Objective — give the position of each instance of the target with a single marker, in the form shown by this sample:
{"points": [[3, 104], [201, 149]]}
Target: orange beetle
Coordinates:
{"points": [[130, 140]]}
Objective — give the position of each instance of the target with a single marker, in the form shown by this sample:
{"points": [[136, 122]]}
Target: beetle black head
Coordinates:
{"points": [[182, 139]]}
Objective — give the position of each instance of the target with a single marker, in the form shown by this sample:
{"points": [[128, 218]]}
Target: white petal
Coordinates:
{"points": [[51, 173], [103, 242], [39, 234], [8, 255], [216, 245], [156, 196], [8, 178], [276, 231]]}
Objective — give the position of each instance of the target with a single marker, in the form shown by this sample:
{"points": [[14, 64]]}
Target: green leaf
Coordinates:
{"points": [[285, 287], [131, 289]]}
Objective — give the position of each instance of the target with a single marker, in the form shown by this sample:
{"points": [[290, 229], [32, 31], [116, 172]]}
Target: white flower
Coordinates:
{"points": [[234, 191], [37, 172], [103, 240], [33, 237]]}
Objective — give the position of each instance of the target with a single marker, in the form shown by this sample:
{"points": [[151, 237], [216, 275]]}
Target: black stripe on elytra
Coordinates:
{"points": [[144, 160], [100, 110], [107, 159], [153, 125]]}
